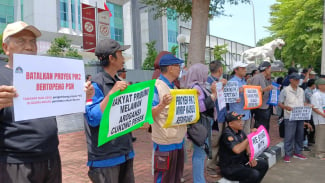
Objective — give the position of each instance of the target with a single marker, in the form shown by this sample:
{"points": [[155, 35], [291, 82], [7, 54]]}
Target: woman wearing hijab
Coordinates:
{"points": [[196, 78]]}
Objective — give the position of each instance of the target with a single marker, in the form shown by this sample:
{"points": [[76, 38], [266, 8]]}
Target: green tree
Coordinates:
{"points": [[299, 24], [61, 47], [199, 11], [218, 51], [148, 63], [174, 49]]}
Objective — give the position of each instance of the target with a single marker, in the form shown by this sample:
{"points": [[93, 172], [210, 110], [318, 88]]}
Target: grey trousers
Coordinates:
{"points": [[122, 173], [320, 140], [48, 171], [293, 136]]}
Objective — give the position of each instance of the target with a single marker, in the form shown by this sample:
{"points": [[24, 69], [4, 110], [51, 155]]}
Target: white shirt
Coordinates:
{"points": [[318, 100]]}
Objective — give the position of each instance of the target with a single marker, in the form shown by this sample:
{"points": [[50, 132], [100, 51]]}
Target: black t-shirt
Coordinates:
{"points": [[25, 141], [227, 142]]}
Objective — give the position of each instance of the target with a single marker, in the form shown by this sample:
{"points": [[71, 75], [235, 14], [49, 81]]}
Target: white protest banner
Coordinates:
{"points": [[252, 97], [300, 113], [183, 109], [220, 96], [47, 86], [258, 142], [126, 111], [231, 92]]}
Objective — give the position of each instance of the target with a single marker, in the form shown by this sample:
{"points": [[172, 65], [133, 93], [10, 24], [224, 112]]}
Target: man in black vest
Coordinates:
{"points": [[113, 161]]}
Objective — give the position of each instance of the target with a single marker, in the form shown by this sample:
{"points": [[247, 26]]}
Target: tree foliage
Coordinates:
{"points": [[174, 49], [184, 7], [148, 63], [61, 47], [218, 51], [299, 24]]}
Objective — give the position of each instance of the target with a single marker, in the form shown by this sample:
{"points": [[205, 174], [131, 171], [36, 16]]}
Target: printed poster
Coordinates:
{"points": [[183, 109], [47, 86], [258, 142], [126, 111], [231, 92]]}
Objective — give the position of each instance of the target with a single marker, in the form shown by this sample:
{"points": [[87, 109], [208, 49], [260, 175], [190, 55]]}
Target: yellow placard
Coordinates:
{"points": [[183, 109]]}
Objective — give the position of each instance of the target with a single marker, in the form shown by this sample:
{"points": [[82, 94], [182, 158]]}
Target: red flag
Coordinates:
{"points": [[106, 8]]}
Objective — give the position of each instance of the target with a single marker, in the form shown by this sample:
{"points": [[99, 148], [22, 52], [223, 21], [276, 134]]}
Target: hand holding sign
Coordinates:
{"points": [[89, 89], [119, 85], [7, 93], [167, 99]]}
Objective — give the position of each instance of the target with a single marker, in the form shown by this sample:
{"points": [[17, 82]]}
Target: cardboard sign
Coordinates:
{"points": [[274, 95], [231, 92], [47, 86], [300, 113], [126, 111], [220, 96], [183, 109], [258, 142], [252, 97]]}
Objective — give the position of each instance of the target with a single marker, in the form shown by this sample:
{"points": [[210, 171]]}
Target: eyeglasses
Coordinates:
{"points": [[23, 42]]}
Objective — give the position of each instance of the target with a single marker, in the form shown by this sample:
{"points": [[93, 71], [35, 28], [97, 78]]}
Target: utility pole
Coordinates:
{"points": [[323, 45]]}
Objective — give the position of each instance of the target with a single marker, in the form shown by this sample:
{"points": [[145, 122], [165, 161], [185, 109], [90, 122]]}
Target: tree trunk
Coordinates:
{"points": [[200, 18]]}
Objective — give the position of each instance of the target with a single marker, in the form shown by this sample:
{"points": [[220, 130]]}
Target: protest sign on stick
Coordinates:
{"points": [[258, 142], [126, 111], [183, 109], [300, 113], [252, 97], [231, 92], [47, 86], [220, 96]]}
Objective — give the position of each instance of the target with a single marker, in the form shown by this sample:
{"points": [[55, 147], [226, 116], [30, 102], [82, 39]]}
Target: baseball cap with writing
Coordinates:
{"points": [[16, 27]]}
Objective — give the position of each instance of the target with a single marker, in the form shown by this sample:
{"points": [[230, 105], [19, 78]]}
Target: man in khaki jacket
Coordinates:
{"points": [[168, 142]]}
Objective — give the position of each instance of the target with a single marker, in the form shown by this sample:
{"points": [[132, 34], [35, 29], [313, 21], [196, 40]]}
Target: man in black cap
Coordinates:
{"points": [[234, 154], [262, 115], [113, 161]]}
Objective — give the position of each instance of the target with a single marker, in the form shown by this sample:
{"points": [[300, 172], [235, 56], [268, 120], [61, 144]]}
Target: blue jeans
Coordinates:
{"points": [[198, 164], [293, 136]]}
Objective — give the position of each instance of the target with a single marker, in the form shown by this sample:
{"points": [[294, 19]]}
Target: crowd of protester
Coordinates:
{"points": [[225, 153]]}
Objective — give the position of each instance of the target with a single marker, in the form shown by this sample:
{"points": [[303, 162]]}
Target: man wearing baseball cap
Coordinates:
{"points": [[234, 153], [168, 142], [262, 115], [290, 97], [28, 149], [239, 69], [113, 161]]}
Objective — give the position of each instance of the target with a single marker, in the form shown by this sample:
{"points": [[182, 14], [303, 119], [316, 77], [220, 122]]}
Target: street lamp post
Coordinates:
{"points": [[181, 39], [254, 22]]}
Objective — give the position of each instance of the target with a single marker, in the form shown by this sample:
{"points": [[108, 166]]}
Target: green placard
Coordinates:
{"points": [[126, 111]]}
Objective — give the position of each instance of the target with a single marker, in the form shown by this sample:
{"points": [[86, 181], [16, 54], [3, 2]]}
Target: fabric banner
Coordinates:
{"points": [[300, 113], [274, 95], [103, 24], [252, 97], [231, 92], [47, 86], [88, 28], [220, 96], [258, 142], [183, 109], [126, 111]]}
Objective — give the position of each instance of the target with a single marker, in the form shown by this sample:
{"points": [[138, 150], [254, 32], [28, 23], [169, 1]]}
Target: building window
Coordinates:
{"points": [[79, 15], [6, 13], [116, 22], [73, 17], [64, 20]]}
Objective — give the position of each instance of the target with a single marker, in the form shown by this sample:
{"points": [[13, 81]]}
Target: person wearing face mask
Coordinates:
{"points": [[216, 71]]}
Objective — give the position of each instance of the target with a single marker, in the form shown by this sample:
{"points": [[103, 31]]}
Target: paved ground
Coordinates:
{"points": [[73, 152]]}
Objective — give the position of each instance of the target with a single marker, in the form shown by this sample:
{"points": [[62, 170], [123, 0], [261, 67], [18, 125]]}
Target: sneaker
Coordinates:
{"points": [[299, 156], [286, 159], [306, 149]]}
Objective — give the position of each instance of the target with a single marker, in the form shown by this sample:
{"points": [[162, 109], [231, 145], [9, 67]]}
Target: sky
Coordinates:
{"points": [[239, 27]]}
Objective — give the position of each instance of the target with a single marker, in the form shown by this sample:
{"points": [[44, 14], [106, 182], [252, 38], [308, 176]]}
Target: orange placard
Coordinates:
{"points": [[252, 96]]}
